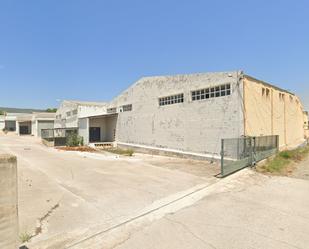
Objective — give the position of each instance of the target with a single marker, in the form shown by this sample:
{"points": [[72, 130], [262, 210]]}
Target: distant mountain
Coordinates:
{"points": [[19, 110]]}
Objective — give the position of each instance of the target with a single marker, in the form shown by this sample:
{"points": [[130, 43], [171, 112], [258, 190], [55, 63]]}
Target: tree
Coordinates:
{"points": [[51, 110], [2, 112]]}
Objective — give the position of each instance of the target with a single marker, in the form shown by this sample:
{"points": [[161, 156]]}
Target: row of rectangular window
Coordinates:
{"points": [[123, 108], [211, 92], [169, 100], [68, 114], [71, 113]]}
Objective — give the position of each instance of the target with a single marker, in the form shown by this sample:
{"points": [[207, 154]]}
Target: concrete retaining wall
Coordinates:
{"points": [[168, 152], [8, 202]]}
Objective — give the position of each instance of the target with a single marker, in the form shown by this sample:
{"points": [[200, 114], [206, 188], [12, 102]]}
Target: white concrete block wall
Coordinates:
{"points": [[86, 109], [64, 121], [83, 129], [90, 110], [196, 126], [34, 125], [2, 122]]}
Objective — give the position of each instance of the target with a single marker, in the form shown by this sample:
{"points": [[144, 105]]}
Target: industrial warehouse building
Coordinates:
{"points": [[32, 124], [26, 121], [189, 114]]}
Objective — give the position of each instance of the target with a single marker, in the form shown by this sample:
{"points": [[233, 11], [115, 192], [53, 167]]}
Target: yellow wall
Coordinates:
{"points": [[272, 112]]}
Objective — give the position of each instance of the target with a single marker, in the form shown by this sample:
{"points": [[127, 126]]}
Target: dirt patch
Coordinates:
{"points": [[119, 151], [302, 170], [77, 148], [191, 166]]}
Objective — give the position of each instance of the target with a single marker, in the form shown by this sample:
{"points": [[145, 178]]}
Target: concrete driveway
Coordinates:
{"points": [[67, 196], [244, 211], [90, 201]]}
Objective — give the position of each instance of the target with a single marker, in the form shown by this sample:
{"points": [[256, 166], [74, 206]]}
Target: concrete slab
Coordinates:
{"points": [[247, 210]]}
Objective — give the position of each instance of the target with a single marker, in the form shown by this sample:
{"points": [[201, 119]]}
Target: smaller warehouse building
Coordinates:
{"points": [[8, 121], [70, 112], [32, 124]]}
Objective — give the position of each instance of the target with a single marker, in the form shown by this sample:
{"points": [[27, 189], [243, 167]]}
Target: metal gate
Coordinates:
{"points": [[238, 153]]}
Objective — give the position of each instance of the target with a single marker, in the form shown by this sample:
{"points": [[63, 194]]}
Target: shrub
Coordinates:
{"points": [[74, 140], [24, 237], [130, 152]]}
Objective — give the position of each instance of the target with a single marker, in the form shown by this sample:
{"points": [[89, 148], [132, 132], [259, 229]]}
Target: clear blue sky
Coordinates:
{"points": [[92, 50]]}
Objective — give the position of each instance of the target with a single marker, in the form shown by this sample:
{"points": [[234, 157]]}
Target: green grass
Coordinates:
{"points": [[283, 160], [276, 165], [124, 152]]}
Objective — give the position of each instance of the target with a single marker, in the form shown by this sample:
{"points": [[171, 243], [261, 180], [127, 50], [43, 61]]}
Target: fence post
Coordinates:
{"points": [[277, 143], [222, 156], [252, 143]]}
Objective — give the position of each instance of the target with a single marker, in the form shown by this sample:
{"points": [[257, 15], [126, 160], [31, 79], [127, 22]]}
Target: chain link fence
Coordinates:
{"points": [[238, 153]]}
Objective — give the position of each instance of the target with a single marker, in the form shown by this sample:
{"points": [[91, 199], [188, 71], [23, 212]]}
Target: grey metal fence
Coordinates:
{"points": [[238, 153]]}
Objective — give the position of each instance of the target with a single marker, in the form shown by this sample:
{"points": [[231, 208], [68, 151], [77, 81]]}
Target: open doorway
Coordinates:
{"points": [[94, 134], [25, 128], [102, 128]]}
